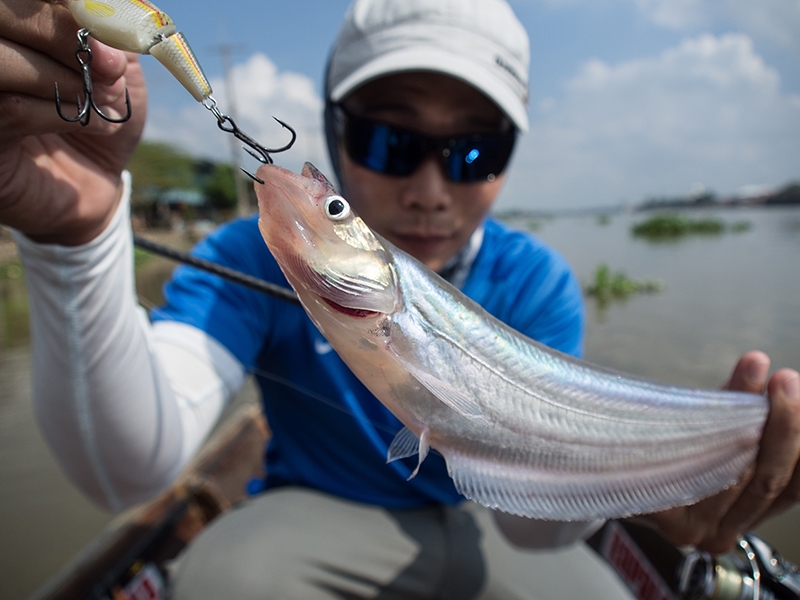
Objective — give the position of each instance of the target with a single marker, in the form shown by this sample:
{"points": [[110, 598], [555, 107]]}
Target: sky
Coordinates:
{"points": [[630, 99]]}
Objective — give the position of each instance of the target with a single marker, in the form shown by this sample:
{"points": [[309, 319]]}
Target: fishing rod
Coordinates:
{"points": [[655, 569], [233, 275]]}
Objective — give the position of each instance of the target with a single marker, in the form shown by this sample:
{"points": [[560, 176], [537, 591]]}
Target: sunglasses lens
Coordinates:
{"points": [[477, 157], [382, 148], [394, 151]]}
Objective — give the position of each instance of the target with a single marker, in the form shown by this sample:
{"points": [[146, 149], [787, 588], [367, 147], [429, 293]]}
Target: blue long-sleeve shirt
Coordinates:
{"points": [[328, 431]]}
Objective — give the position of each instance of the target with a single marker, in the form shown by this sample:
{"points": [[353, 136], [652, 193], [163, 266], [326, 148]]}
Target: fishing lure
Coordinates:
{"points": [[140, 27]]}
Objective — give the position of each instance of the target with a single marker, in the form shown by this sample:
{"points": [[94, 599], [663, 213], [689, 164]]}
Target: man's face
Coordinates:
{"points": [[424, 213]]}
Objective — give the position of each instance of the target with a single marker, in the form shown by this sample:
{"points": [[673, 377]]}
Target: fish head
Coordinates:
{"points": [[328, 254]]}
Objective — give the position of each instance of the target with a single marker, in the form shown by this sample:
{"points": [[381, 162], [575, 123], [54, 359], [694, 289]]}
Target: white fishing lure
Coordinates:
{"points": [[141, 27]]}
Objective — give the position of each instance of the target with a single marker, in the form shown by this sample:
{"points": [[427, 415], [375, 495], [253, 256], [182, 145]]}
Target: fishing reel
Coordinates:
{"points": [[754, 572]]}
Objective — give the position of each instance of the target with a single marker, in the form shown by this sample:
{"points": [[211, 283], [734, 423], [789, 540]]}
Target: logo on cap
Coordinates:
{"points": [[513, 72]]}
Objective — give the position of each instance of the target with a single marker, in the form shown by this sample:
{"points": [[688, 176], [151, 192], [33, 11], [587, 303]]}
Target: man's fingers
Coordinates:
{"points": [[697, 524], [50, 30], [789, 498], [108, 64], [777, 458], [42, 26], [791, 495], [27, 94], [22, 116], [27, 71], [750, 373]]}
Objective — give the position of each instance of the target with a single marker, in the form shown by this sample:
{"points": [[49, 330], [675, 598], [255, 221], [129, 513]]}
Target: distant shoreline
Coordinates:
{"points": [[776, 200]]}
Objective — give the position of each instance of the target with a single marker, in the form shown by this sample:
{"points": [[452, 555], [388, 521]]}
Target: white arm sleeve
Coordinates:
{"points": [[122, 404]]}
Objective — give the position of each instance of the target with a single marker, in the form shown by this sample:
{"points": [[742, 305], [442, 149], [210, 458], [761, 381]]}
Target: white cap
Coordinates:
{"points": [[478, 41]]}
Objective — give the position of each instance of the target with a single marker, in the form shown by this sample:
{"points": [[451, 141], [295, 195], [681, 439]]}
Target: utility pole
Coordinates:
{"points": [[242, 189]]}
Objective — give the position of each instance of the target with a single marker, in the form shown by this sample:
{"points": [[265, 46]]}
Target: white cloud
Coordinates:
{"points": [[261, 92], [777, 21], [772, 21], [708, 110]]}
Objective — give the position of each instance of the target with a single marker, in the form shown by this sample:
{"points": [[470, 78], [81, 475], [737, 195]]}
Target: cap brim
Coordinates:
{"points": [[436, 60]]}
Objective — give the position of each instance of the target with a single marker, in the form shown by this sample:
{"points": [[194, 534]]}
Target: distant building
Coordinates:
{"points": [[176, 198]]}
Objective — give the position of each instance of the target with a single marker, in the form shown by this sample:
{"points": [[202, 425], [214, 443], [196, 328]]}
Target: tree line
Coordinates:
{"points": [[158, 168]]}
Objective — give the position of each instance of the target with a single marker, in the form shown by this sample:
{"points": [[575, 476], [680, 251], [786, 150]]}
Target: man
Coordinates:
{"points": [[126, 404]]}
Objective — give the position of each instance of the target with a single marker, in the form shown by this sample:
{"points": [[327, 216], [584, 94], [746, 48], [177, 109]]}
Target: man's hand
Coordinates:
{"points": [[59, 181], [772, 484]]}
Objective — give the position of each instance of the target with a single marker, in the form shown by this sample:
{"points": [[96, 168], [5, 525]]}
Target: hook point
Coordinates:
{"points": [[263, 158], [251, 176]]}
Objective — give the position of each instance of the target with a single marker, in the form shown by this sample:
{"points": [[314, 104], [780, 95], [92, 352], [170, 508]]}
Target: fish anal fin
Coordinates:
{"points": [[455, 399], [552, 494]]}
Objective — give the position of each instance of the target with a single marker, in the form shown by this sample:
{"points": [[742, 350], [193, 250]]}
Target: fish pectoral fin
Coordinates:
{"points": [[452, 397], [455, 399], [406, 444]]}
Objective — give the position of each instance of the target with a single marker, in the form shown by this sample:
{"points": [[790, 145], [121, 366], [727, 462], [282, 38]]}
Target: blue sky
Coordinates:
{"points": [[630, 99]]}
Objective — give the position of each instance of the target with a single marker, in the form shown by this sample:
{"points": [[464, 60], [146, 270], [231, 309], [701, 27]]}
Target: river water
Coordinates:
{"points": [[722, 295]]}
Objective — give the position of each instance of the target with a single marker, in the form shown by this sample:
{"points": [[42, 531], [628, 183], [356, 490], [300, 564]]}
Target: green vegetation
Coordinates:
{"points": [[608, 286], [13, 305], [673, 226], [140, 257], [676, 226], [221, 187], [11, 270], [159, 171], [155, 167], [740, 226], [603, 219]]}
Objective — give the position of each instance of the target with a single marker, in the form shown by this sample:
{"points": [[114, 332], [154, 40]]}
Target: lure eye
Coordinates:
{"points": [[337, 208]]}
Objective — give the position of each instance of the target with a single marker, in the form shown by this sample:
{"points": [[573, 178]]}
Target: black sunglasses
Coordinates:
{"points": [[396, 151]]}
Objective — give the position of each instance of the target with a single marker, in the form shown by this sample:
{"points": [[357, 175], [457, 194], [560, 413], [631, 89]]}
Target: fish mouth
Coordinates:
{"points": [[351, 298], [358, 313]]}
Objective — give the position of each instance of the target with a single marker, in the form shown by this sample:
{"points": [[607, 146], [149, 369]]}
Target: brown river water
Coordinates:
{"points": [[722, 295]]}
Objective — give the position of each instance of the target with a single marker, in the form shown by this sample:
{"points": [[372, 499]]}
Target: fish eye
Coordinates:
{"points": [[337, 208]]}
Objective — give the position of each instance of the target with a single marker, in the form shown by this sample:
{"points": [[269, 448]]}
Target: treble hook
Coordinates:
{"points": [[256, 150], [84, 56]]}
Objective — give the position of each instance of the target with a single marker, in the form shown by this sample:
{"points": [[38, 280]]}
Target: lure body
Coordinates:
{"points": [[138, 26], [523, 428]]}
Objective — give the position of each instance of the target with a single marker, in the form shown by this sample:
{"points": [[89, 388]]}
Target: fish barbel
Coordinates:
{"points": [[524, 429]]}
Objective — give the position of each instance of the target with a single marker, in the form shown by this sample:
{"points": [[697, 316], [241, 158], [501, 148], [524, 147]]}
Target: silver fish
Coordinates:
{"points": [[523, 428]]}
